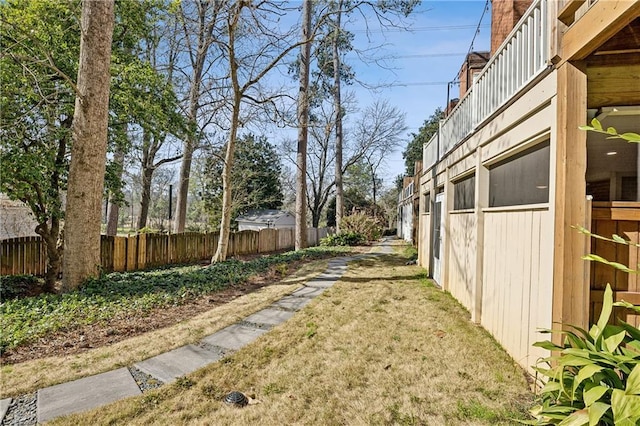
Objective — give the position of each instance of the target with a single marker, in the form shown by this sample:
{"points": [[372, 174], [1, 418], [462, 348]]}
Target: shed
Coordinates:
{"points": [[256, 220]]}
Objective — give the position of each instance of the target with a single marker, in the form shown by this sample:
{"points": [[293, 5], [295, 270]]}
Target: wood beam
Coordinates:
{"points": [[570, 289], [601, 22], [614, 85], [566, 15]]}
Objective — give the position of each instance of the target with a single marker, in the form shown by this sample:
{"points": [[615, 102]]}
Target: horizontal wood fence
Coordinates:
{"points": [[28, 255]]}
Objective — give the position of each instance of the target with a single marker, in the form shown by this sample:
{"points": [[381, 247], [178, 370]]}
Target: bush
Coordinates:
{"points": [[595, 379], [14, 286], [343, 239], [367, 226]]}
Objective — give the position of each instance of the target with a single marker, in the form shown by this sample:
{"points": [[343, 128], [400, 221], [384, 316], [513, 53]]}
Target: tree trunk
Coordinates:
{"points": [[227, 191], [88, 154], [180, 218], [145, 197], [227, 199], [205, 38], [337, 102], [113, 209], [54, 252], [303, 129]]}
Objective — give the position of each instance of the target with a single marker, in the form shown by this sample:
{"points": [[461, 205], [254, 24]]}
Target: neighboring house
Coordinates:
{"points": [[409, 207], [260, 219], [509, 174], [404, 229], [16, 219]]}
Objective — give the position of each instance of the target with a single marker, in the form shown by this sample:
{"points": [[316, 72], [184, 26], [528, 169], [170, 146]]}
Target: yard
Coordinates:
{"points": [[383, 346]]}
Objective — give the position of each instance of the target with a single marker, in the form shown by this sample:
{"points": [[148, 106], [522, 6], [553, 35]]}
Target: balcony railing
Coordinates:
{"points": [[519, 60]]}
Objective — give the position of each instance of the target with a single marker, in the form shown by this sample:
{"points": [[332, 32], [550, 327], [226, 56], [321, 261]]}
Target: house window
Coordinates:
{"points": [[427, 202], [521, 179], [464, 193]]}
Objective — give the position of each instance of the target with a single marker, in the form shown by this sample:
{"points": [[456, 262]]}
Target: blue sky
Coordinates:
{"points": [[429, 54]]}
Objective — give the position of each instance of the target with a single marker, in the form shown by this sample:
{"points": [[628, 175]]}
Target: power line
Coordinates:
{"points": [[418, 29], [473, 40], [484, 11], [429, 55], [420, 83]]}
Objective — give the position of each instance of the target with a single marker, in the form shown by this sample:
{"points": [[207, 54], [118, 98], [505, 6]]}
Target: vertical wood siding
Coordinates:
{"points": [[462, 257], [517, 280]]}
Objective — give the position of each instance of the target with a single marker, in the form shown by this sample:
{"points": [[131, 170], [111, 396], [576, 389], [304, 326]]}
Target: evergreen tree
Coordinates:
{"points": [[255, 175], [413, 151]]}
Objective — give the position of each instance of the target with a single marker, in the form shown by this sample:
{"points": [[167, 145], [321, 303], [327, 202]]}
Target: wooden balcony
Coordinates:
{"points": [[521, 58]]}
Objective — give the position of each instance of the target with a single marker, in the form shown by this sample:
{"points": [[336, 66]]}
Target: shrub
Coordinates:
{"points": [[595, 378], [390, 232], [13, 286], [343, 239], [369, 227]]}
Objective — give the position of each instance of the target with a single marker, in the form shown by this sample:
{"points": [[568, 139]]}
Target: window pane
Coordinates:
{"points": [[464, 192], [427, 202], [521, 179]]}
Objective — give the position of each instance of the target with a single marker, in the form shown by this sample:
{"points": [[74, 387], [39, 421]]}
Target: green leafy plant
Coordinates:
{"points": [[369, 227], [595, 377], [343, 239], [13, 286], [596, 126]]}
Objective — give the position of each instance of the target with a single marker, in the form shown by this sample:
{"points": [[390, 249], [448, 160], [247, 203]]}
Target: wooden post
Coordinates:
{"points": [[570, 292], [481, 202], [446, 238]]}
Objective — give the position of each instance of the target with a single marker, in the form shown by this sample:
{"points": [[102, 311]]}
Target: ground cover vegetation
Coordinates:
{"points": [[382, 346], [130, 294]]}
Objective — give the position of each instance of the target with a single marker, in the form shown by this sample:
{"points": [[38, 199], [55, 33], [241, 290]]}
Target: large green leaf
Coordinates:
{"points": [[585, 372], [571, 360], [577, 418], [633, 381], [546, 344], [625, 407], [612, 343], [596, 411], [594, 394], [551, 387], [600, 259], [605, 314]]}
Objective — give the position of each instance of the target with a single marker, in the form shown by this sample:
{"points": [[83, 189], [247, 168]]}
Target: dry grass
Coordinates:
{"points": [[381, 347], [31, 375]]}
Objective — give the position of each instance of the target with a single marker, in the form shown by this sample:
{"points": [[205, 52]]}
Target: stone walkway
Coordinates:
{"points": [[101, 389]]}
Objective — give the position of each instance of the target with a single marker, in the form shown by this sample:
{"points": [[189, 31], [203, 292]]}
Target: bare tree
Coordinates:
{"points": [[206, 17], [340, 40], [376, 133], [379, 129], [255, 44], [88, 154], [303, 129]]}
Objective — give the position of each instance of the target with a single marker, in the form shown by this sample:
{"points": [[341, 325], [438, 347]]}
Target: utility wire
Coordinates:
{"points": [[418, 29], [473, 40]]}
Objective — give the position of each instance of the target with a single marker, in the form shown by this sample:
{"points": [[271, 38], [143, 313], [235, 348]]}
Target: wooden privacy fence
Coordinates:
{"points": [[27, 255]]}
